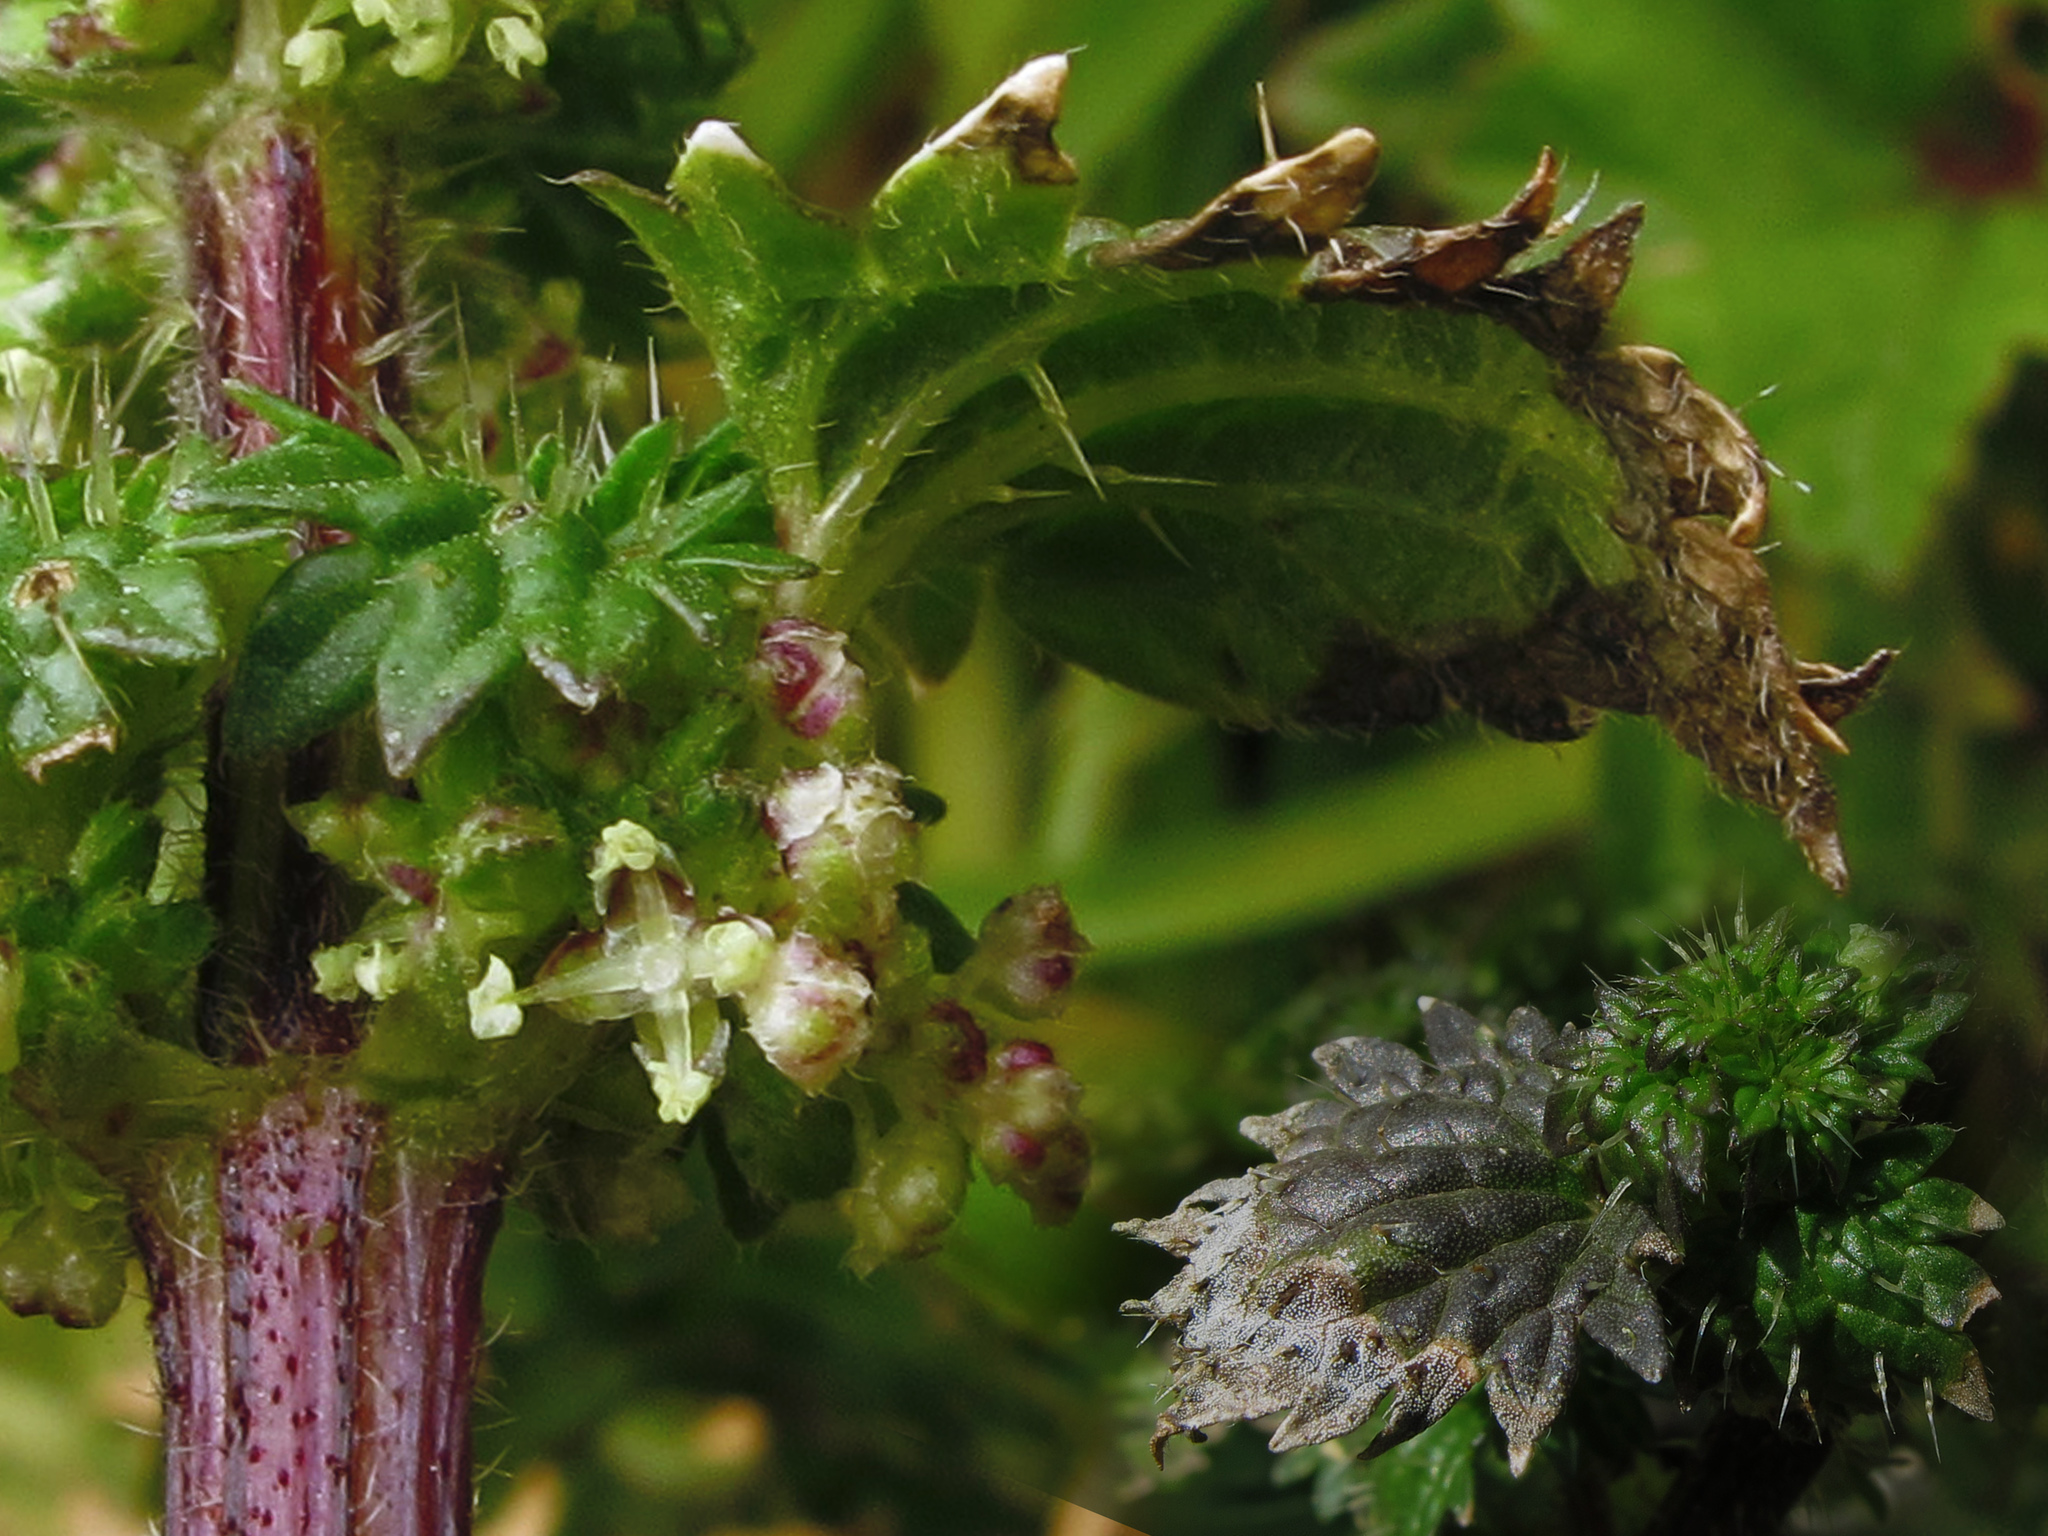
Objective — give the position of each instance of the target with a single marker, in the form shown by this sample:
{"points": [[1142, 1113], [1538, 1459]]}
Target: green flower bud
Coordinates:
{"points": [[910, 1190], [1872, 952], [845, 836], [65, 1265]]}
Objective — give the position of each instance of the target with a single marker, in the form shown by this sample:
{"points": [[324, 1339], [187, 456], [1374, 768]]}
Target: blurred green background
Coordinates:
{"points": [[1846, 239]]}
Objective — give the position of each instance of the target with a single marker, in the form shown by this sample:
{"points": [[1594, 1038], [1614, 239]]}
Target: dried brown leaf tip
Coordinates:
{"points": [[1562, 305], [1713, 666], [1403, 265], [1283, 209], [1019, 116], [1694, 641]]}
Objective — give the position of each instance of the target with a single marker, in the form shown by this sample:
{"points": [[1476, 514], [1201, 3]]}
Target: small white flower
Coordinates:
{"points": [[513, 42], [318, 54], [334, 972], [629, 846], [493, 1015], [683, 1050], [733, 954], [380, 971]]}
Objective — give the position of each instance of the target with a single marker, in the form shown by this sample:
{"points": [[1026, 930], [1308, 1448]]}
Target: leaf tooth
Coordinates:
{"points": [[1969, 1389]]}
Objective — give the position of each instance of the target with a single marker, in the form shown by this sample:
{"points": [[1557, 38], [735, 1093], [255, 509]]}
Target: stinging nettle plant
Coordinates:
{"points": [[393, 797]]}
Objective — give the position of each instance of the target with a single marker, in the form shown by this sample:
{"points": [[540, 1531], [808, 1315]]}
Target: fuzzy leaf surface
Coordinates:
{"points": [[1417, 1236], [1252, 461], [447, 582]]}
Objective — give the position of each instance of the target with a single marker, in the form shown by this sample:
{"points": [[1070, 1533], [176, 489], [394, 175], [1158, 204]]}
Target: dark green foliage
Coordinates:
{"points": [[447, 583], [1408, 1489], [1461, 1220], [1752, 1065]]}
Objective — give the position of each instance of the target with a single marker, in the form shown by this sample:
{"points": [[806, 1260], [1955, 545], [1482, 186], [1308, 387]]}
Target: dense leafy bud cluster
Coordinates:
{"points": [[1753, 1092], [1460, 1220], [1754, 1054], [552, 686]]}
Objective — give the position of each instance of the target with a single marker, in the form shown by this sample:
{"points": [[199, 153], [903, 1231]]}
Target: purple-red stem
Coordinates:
{"points": [[316, 1273], [283, 297], [318, 1297]]}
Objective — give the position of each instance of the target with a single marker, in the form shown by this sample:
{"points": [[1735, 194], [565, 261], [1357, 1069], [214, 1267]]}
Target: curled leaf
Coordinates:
{"points": [[1254, 461]]}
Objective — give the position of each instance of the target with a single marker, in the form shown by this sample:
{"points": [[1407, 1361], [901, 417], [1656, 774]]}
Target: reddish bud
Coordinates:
{"points": [[1028, 953], [412, 882], [963, 1052], [1021, 1055], [1027, 1129], [1013, 1145], [812, 682]]}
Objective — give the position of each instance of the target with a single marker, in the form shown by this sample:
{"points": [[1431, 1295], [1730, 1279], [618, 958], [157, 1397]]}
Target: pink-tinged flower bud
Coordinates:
{"points": [[809, 676], [846, 841], [910, 1190], [1014, 1057], [962, 1047], [1027, 1129], [809, 1011], [1027, 954]]}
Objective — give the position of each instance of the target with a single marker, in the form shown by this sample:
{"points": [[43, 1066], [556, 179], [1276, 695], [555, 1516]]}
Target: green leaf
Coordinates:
{"points": [[446, 584], [929, 618], [1250, 461], [444, 646], [311, 657], [633, 482], [1809, 217]]}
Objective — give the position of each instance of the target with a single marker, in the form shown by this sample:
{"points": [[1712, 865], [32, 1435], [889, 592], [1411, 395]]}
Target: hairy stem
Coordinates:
{"points": [[316, 1274], [317, 1295], [293, 275]]}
